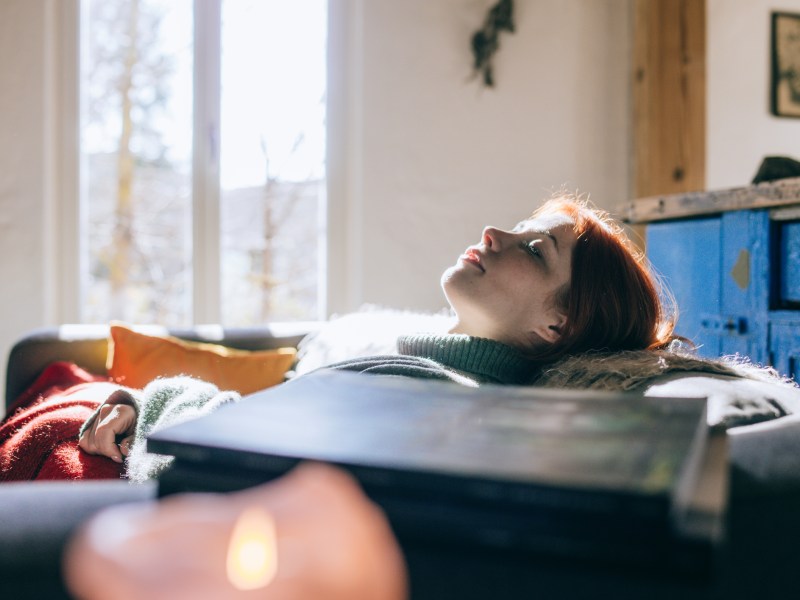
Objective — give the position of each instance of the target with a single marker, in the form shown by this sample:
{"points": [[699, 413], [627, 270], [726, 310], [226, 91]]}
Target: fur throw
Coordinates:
{"points": [[638, 369], [372, 331], [738, 392]]}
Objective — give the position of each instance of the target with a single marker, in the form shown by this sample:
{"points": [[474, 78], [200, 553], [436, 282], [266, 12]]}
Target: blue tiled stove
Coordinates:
{"points": [[732, 260]]}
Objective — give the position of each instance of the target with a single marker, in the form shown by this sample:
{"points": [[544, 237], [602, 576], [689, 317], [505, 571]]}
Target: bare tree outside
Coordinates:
{"points": [[138, 199], [279, 205], [136, 140], [270, 246], [273, 162]]}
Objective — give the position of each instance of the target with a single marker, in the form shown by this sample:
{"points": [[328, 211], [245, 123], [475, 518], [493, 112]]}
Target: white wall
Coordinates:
{"points": [[740, 129], [439, 156], [23, 168]]}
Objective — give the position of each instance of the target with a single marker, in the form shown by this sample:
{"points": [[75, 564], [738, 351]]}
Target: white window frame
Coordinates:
{"points": [[66, 217], [206, 275]]}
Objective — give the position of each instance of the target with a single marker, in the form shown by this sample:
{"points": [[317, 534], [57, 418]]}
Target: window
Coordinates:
{"points": [[202, 160], [273, 158]]}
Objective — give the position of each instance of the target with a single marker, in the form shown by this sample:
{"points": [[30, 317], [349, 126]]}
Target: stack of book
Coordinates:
{"points": [[606, 477]]}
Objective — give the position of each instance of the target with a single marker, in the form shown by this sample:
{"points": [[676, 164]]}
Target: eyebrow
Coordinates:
{"points": [[552, 237]]}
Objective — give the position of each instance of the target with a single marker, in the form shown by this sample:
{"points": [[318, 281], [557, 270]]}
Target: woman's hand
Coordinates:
{"points": [[115, 418], [325, 540]]}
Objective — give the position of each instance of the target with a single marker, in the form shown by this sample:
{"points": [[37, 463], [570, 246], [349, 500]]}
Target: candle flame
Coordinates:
{"points": [[253, 550]]}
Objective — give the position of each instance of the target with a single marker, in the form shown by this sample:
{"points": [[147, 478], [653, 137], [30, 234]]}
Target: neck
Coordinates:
{"points": [[472, 330]]}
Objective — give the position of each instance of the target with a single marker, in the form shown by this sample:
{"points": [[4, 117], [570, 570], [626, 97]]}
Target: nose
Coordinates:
{"points": [[493, 238]]}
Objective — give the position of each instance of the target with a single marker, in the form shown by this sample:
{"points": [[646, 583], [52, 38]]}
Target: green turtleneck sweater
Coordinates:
{"points": [[452, 357]]}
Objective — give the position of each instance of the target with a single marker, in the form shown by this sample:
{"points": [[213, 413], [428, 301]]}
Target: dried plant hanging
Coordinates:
{"points": [[485, 41]]}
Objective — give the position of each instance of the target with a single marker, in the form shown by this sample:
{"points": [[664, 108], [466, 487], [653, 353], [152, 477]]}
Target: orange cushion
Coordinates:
{"points": [[135, 359]]}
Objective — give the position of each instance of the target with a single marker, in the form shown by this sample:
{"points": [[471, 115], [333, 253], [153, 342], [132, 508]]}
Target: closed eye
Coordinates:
{"points": [[532, 249]]}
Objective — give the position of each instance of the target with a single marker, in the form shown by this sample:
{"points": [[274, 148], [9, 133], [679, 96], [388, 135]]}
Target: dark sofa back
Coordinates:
{"points": [[87, 345]]}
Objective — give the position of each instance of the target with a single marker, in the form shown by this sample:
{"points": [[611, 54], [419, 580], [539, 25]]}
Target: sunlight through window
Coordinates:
{"points": [[137, 88]]}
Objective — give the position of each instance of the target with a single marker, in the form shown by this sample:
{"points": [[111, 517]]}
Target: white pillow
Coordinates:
{"points": [[370, 331]]}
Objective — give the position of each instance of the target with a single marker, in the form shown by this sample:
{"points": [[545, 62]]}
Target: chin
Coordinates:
{"points": [[455, 287], [446, 283], [447, 275]]}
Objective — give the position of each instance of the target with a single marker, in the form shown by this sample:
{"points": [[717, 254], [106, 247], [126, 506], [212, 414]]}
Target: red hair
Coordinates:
{"points": [[613, 301]]}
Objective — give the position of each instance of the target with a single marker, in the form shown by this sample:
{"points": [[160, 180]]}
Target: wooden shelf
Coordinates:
{"points": [[784, 192]]}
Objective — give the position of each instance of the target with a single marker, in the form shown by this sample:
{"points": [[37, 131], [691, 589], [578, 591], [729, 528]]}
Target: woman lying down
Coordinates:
{"points": [[561, 300]]}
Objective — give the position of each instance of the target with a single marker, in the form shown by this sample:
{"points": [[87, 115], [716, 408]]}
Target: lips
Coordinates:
{"points": [[473, 257]]}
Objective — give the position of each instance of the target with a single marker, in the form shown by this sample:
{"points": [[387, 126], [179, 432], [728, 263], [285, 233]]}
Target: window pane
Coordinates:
{"points": [[272, 158], [136, 137]]}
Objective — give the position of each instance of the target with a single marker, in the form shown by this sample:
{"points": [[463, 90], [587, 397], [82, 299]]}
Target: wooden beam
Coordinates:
{"points": [[768, 194], [669, 96]]}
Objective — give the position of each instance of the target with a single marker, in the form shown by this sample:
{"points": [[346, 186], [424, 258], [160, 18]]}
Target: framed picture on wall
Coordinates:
{"points": [[786, 64]]}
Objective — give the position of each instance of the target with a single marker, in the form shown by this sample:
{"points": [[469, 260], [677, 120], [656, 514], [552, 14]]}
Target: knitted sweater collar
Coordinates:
{"points": [[486, 360]]}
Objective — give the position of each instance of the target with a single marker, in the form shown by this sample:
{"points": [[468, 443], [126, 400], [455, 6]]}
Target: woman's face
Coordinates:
{"points": [[505, 288]]}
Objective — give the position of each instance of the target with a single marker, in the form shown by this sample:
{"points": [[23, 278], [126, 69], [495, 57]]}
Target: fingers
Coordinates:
{"points": [[100, 437], [105, 435], [111, 421], [125, 445]]}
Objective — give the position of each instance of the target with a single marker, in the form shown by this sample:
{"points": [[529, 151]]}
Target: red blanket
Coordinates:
{"points": [[39, 437]]}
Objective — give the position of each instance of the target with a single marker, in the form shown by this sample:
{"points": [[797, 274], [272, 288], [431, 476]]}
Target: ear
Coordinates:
{"points": [[551, 328]]}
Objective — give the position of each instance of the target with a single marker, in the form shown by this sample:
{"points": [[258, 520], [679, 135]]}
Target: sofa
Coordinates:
{"points": [[36, 518], [758, 560]]}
